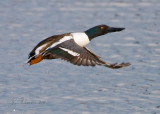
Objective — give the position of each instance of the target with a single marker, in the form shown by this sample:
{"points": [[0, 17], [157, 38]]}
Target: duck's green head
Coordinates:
{"points": [[101, 30]]}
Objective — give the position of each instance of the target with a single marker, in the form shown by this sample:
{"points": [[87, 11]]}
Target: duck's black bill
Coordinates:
{"points": [[113, 29]]}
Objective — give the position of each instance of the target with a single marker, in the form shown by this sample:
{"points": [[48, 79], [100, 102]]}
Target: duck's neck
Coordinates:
{"points": [[91, 33]]}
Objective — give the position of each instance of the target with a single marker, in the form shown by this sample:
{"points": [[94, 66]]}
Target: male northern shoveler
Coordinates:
{"points": [[72, 48]]}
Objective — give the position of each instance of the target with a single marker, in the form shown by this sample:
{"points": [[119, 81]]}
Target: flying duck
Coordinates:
{"points": [[72, 48]]}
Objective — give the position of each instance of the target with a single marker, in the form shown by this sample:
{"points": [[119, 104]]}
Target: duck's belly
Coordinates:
{"points": [[80, 38]]}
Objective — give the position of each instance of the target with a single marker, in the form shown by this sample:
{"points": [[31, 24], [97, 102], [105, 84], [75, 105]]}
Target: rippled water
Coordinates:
{"points": [[58, 87]]}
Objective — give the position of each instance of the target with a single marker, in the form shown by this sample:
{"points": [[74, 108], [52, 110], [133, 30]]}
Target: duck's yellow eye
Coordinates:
{"points": [[102, 28]]}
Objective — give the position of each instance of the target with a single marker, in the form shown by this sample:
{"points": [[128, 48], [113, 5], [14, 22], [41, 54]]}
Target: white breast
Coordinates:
{"points": [[80, 38]]}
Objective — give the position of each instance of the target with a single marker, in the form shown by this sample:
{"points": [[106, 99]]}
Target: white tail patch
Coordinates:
{"points": [[39, 48], [70, 51]]}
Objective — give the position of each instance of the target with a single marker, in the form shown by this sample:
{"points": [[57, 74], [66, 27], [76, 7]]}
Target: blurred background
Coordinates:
{"points": [[55, 86]]}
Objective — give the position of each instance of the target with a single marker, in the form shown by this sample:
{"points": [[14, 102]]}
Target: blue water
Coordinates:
{"points": [[55, 86]]}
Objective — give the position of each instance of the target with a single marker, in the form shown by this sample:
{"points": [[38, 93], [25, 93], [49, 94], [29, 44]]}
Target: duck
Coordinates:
{"points": [[71, 47]]}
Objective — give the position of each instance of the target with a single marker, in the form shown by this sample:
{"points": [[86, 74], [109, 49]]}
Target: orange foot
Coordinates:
{"points": [[36, 60]]}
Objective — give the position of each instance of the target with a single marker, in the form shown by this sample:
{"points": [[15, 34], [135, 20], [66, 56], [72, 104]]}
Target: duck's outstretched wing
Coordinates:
{"points": [[77, 55]]}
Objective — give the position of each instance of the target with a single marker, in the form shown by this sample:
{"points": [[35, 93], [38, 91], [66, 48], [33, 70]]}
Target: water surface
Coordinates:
{"points": [[59, 87]]}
